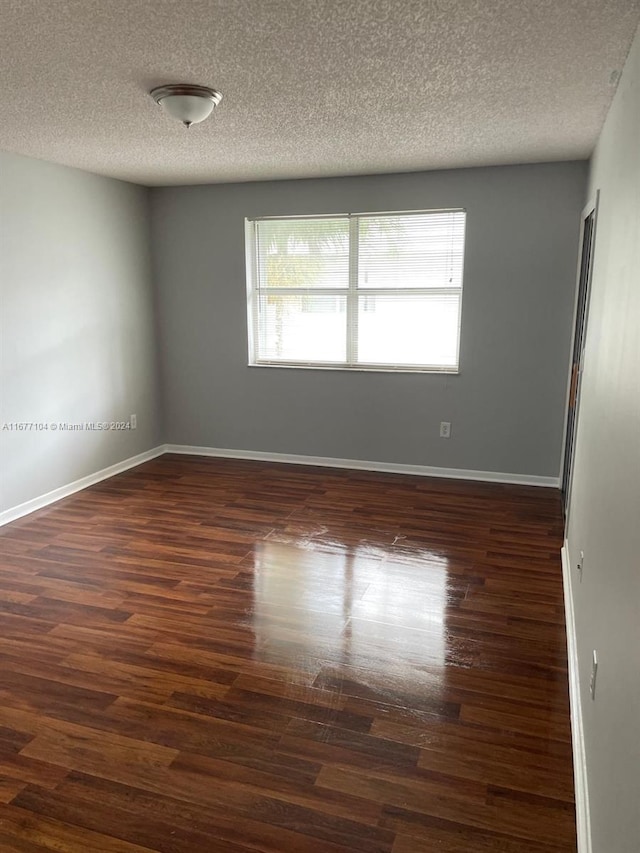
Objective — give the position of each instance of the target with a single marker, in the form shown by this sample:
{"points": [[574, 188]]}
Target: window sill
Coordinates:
{"points": [[433, 371]]}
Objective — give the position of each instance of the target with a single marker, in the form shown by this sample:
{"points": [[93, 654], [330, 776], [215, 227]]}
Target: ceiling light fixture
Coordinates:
{"points": [[189, 104]]}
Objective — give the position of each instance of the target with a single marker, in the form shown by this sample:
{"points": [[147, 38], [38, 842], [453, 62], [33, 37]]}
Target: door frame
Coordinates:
{"points": [[590, 208]]}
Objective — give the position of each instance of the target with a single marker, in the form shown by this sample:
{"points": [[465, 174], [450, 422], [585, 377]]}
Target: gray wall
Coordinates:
{"points": [[76, 323], [506, 405], [604, 519]]}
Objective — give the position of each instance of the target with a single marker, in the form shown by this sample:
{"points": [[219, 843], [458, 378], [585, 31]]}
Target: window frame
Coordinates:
{"points": [[352, 293]]}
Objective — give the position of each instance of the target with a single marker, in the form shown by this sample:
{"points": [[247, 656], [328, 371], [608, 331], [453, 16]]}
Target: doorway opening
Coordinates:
{"points": [[587, 240]]}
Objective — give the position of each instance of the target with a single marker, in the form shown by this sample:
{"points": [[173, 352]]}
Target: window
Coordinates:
{"points": [[365, 292]]}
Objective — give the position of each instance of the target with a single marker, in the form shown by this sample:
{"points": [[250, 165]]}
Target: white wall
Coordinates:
{"points": [[605, 505], [77, 324]]}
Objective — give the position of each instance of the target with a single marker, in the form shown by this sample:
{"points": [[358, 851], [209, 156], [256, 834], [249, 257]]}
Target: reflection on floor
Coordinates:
{"points": [[216, 655]]}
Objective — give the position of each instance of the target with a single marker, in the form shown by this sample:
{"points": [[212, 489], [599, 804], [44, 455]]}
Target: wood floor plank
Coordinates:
{"points": [[28, 831], [532, 821], [447, 837], [169, 821], [10, 788], [220, 655], [95, 751]]}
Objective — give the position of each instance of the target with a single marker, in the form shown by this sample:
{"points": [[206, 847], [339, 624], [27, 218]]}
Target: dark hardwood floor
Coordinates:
{"points": [[217, 656]]}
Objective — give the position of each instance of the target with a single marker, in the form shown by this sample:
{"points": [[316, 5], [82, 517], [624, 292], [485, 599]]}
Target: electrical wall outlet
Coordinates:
{"points": [[580, 565], [133, 420], [445, 429], [594, 672]]}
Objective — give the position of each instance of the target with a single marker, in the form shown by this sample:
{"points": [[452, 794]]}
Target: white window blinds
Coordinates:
{"points": [[373, 291]]}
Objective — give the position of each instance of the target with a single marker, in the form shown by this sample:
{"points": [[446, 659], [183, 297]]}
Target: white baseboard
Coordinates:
{"points": [[583, 822], [25, 508], [360, 465]]}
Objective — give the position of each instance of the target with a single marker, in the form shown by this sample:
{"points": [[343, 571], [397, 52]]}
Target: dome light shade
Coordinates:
{"points": [[189, 104]]}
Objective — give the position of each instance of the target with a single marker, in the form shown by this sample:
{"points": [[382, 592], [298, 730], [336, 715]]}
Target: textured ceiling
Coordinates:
{"points": [[311, 87]]}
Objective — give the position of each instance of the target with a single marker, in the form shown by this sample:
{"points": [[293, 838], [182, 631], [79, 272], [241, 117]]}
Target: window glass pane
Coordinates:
{"points": [[417, 250], [407, 329], [301, 327], [408, 289], [303, 252]]}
